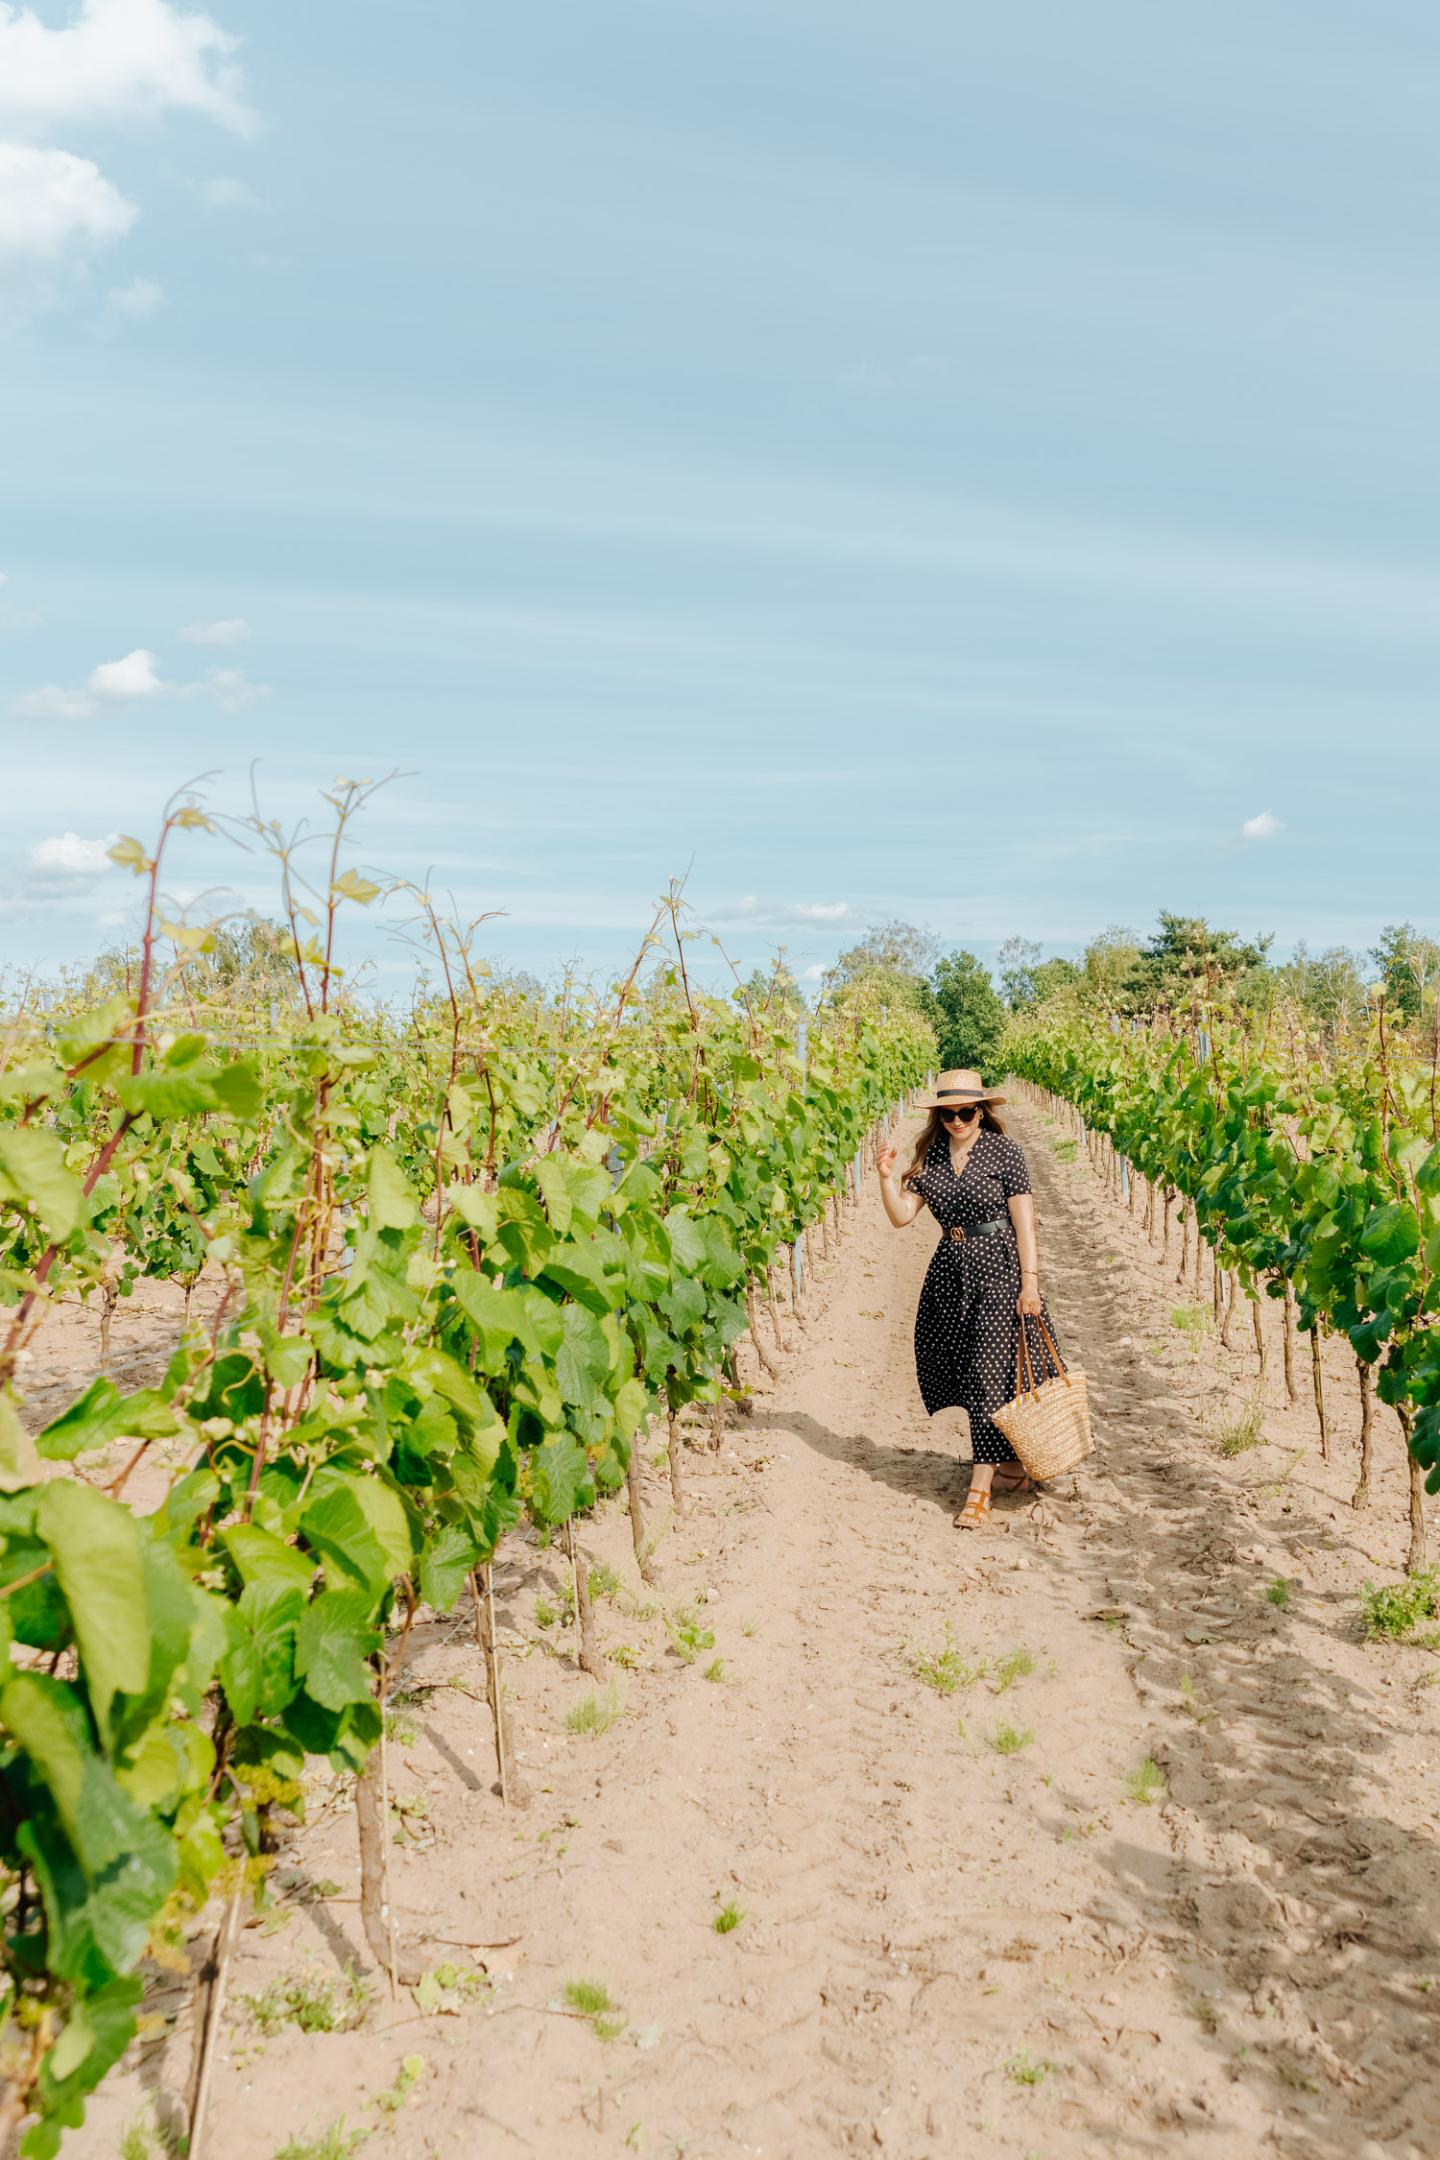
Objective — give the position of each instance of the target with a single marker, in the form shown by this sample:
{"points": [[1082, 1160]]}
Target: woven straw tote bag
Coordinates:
{"points": [[1048, 1422]]}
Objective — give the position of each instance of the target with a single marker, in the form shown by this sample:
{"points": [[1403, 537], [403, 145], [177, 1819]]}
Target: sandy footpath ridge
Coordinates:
{"points": [[965, 1926]]}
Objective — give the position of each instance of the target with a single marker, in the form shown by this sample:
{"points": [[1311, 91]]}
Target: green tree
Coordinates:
{"points": [[892, 961], [1409, 967], [969, 1017], [1328, 987], [1186, 955]]}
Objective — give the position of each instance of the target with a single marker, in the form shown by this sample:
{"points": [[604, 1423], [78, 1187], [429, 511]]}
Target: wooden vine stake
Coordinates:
{"points": [[672, 1449], [372, 1807], [1361, 1494], [795, 1291], [1258, 1322], [588, 1653], [209, 2009], [636, 1500], [1289, 1343], [753, 1318], [513, 1790], [1317, 1381], [1416, 1557]]}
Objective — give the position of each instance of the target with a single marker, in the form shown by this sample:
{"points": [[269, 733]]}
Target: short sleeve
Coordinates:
{"points": [[1014, 1170]]}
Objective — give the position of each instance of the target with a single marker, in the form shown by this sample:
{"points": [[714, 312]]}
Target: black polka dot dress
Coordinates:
{"points": [[966, 1327]]}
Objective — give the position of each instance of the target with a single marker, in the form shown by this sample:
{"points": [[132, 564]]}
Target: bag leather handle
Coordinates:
{"points": [[1025, 1381]]}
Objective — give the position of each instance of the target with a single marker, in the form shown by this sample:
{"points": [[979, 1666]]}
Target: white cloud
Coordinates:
{"points": [[51, 702], [225, 194], [135, 680], [757, 914], [52, 202], [116, 59], [817, 973], [139, 298], [231, 689], [125, 680], [233, 630], [1263, 827], [71, 856]]}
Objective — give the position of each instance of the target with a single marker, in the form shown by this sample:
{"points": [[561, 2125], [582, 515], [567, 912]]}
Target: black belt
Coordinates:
{"points": [[958, 1236]]}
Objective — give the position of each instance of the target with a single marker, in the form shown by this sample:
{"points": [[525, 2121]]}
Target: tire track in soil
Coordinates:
{"points": [[946, 1948]]}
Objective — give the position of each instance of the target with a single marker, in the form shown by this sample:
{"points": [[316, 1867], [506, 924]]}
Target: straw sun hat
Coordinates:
{"points": [[953, 1090]]}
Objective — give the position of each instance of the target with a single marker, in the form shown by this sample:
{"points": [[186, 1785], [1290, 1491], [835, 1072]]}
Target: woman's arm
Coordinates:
{"points": [[1022, 1214], [902, 1207]]}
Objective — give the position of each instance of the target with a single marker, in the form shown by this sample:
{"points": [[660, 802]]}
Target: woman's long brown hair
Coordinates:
{"points": [[934, 1131]]}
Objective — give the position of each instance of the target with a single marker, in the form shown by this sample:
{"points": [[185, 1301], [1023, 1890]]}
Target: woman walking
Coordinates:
{"points": [[984, 1279]]}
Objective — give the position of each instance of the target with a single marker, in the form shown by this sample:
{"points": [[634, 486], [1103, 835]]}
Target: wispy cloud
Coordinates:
{"points": [[1263, 827], [231, 630], [756, 914], [53, 204], [227, 194], [141, 297]]}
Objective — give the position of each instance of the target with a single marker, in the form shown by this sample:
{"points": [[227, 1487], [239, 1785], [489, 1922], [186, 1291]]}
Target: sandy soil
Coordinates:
{"points": [[944, 1947]]}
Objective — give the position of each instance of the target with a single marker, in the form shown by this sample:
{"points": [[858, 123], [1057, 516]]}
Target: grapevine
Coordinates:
{"points": [[460, 1258]]}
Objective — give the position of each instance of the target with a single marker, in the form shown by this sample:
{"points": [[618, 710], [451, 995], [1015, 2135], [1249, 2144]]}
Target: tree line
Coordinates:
{"points": [[1331, 994]]}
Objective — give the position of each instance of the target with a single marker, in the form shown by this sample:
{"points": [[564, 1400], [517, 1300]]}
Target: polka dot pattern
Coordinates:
{"points": [[966, 1327]]}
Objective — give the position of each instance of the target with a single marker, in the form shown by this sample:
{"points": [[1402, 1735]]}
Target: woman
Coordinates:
{"points": [[984, 1279]]}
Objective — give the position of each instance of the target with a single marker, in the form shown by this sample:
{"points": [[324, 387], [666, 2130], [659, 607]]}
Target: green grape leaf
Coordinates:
{"points": [[445, 1566], [33, 1172], [559, 1474], [332, 1642], [393, 1205], [95, 1546]]}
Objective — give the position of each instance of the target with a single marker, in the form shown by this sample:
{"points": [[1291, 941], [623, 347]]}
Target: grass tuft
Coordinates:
{"points": [[336, 2143], [1277, 1593], [595, 1714], [1015, 1665], [1010, 1739], [1194, 1323], [944, 1670], [688, 1637], [590, 1997], [715, 1670], [1238, 1435], [1146, 1783], [728, 1918]]}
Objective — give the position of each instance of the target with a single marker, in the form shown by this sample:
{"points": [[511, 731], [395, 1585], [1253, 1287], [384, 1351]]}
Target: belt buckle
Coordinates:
{"points": [[956, 1234]]}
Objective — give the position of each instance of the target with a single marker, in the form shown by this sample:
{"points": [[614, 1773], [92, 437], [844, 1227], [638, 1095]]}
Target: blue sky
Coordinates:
{"points": [[928, 460]]}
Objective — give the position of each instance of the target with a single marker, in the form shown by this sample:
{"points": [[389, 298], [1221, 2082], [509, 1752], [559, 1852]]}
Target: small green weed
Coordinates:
{"points": [[448, 1989], [728, 1918], [595, 1714], [1392, 1612], [747, 1628], [688, 1636], [944, 1670], [1066, 1150], [1010, 1739], [546, 1614], [1194, 1323], [399, 1728], [1277, 1594], [1146, 1783], [147, 2139], [604, 1581], [1236, 1436], [591, 1998], [715, 1670], [407, 2077], [1015, 1665], [1023, 2068], [310, 2005], [336, 2143], [626, 1656]]}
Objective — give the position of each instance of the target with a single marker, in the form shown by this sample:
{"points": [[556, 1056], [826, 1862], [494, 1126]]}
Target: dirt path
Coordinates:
{"points": [[944, 1947]]}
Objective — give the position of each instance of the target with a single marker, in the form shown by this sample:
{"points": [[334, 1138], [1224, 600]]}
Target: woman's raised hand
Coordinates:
{"points": [[886, 1160]]}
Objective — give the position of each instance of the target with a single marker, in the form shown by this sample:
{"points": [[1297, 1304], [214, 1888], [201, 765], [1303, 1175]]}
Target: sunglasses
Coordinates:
{"points": [[948, 1117]]}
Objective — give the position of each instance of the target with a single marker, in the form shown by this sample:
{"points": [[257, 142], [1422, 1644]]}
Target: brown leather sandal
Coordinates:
{"points": [[1011, 1478], [977, 1507]]}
